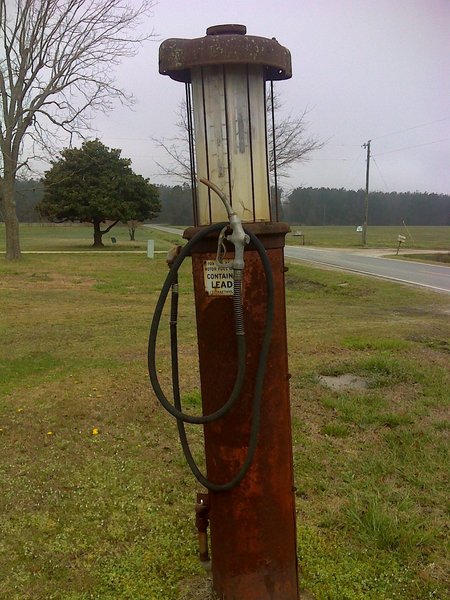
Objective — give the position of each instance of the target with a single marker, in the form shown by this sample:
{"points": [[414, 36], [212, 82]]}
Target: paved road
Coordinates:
{"points": [[431, 276], [166, 229], [435, 277]]}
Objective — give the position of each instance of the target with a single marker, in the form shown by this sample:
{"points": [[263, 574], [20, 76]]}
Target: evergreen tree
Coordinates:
{"points": [[94, 184]]}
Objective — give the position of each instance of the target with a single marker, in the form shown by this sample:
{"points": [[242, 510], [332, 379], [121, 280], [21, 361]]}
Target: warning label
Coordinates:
{"points": [[218, 278]]}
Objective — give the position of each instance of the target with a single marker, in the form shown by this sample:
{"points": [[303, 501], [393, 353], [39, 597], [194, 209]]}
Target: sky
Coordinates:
{"points": [[363, 69]]}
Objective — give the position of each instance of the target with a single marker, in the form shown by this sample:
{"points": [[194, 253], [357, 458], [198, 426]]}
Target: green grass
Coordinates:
{"points": [[339, 430], [418, 237], [110, 516], [439, 257], [79, 237]]}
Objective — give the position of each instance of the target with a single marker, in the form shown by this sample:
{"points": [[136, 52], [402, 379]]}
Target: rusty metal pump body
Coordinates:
{"points": [[253, 533]]}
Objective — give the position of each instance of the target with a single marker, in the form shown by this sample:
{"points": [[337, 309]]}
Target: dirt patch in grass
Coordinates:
{"points": [[344, 382], [200, 588], [415, 311], [434, 342], [197, 588], [46, 281], [305, 595]]}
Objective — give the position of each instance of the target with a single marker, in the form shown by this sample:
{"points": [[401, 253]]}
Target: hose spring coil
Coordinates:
{"points": [[238, 310]]}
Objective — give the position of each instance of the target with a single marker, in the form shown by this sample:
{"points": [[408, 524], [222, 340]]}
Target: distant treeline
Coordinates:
{"points": [[176, 205], [305, 206], [28, 194], [329, 206], [325, 206]]}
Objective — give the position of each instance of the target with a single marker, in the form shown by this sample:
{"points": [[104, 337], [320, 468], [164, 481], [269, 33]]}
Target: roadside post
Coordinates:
{"points": [[401, 239], [150, 248]]}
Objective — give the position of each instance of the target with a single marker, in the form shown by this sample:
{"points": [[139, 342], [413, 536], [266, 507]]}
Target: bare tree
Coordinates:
{"points": [[292, 144], [56, 61], [176, 149]]}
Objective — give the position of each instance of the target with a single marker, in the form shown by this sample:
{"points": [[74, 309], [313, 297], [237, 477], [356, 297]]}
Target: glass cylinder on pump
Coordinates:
{"points": [[225, 73], [230, 140]]}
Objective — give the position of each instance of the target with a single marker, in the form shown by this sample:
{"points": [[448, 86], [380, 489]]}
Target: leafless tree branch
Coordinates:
{"points": [[56, 59], [292, 144]]}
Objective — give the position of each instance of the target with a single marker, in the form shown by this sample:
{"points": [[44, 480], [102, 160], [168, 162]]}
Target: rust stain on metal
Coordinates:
{"points": [[224, 44], [253, 537]]}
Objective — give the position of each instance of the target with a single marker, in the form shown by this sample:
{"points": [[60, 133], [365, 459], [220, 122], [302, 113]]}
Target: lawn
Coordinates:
{"points": [[80, 237], [97, 502], [420, 237]]}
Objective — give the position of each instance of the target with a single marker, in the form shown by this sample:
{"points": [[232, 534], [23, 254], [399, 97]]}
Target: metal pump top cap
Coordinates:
{"points": [[224, 29], [224, 45]]}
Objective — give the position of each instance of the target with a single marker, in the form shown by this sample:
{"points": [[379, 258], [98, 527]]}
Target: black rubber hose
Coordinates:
{"points": [[240, 339], [256, 404], [259, 381], [174, 344]]}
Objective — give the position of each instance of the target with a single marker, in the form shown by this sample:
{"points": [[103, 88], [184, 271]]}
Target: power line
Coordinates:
{"points": [[335, 159], [410, 128], [353, 170], [415, 146], [380, 173], [129, 139], [343, 145]]}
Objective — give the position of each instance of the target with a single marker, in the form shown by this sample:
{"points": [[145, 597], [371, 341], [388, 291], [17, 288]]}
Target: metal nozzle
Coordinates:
{"points": [[238, 237]]}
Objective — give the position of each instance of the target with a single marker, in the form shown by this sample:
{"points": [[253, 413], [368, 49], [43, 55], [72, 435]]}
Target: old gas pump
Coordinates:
{"points": [[236, 247]]}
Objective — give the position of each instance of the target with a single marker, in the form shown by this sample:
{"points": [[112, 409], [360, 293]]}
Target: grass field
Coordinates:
{"points": [[79, 237], [96, 501], [435, 238]]}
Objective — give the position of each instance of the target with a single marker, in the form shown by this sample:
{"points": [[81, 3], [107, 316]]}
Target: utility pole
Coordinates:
{"points": [[366, 209]]}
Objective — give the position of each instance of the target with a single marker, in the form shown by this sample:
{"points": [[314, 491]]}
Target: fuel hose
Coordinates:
{"points": [[175, 408]]}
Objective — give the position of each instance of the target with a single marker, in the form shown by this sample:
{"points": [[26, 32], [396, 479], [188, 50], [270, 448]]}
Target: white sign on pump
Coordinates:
{"points": [[218, 278]]}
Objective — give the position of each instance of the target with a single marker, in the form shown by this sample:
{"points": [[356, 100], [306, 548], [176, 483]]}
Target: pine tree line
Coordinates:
{"points": [[328, 206], [306, 206]]}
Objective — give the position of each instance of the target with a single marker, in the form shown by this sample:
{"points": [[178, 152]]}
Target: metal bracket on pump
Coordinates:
{"points": [[238, 237]]}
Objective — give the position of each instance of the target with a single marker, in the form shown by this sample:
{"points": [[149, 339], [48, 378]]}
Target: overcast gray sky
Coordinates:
{"points": [[364, 69]]}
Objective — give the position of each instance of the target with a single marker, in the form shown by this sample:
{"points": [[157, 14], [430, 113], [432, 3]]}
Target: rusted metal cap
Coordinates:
{"points": [[224, 45]]}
